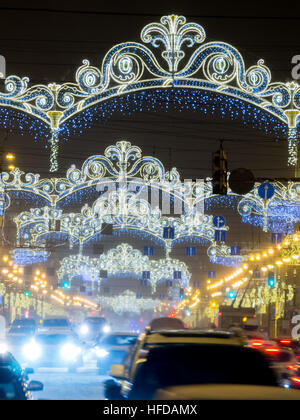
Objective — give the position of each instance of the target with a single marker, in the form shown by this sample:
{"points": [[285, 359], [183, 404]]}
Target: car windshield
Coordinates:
{"points": [[119, 340], [56, 323], [96, 321], [54, 338], [201, 364]]}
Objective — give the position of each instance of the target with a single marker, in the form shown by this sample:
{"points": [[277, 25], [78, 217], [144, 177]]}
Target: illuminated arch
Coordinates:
{"points": [[132, 68]]}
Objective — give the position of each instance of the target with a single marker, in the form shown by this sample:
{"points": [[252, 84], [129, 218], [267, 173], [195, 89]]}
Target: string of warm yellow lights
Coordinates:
{"points": [[278, 254]]}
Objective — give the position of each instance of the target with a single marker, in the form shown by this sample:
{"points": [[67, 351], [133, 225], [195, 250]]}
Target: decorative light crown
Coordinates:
{"points": [[131, 71]]}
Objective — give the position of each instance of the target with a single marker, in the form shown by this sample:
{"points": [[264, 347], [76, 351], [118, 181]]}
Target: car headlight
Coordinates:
{"points": [[84, 329], [106, 329], [3, 348], [101, 352], [32, 351], [70, 351]]}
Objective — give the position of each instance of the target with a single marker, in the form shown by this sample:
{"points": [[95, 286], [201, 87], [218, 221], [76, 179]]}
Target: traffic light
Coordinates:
{"points": [[27, 293], [231, 295], [219, 172], [271, 279], [181, 293], [66, 285]]}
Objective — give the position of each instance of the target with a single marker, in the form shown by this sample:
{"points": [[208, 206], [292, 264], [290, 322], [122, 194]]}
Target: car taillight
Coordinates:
{"points": [[257, 343], [297, 356], [285, 341], [295, 379], [273, 350], [292, 367]]}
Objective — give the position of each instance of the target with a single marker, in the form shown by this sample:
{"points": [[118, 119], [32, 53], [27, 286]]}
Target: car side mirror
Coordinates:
{"points": [[117, 371], [28, 371], [35, 386]]}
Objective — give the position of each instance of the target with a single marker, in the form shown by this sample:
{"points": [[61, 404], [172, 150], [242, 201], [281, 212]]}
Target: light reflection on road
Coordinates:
{"points": [[59, 384]]}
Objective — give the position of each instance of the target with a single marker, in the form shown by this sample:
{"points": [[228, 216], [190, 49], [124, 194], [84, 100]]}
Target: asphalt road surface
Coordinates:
{"points": [[59, 384]]}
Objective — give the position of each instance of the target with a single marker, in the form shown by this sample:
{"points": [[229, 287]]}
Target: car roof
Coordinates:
{"points": [[192, 336]]}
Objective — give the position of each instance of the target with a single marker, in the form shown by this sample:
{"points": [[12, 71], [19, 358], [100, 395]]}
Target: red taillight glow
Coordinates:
{"points": [[285, 341], [295, 379], [292, 367], [272, 350], [298, 356], [257, 343]]}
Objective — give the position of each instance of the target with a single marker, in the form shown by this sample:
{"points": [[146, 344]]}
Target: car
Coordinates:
{"points": [[54, 350], [151, 339], [254, 339], [285, 364], [113, 349], [196, 364], [289, 343], [14, 386], [160, 339], [93, 328]]}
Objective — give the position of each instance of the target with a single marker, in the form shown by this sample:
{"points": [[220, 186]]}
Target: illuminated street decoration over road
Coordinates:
{"points": [[120, 260], [132, 77], [128, 302], [124, 180]]}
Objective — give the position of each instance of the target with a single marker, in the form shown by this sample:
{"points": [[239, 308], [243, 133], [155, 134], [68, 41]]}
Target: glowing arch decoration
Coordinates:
{"points": [[123, 259], [129, 302], [26, 256], [165, 268], [34, 227], [78, 265], [123, 180], [188, 72], [124, 165]]}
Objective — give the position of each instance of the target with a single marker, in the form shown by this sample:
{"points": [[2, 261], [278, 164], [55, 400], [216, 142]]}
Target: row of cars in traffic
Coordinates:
{"points": [[167, 361]]}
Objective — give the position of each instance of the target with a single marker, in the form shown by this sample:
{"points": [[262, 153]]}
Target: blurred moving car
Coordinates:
{"points": [[289, 343], [184, 365], [14, 386], [54, 350], [113, 349], [285, 365], [93, 328], [151, 339], [160, 339], [158, 324]]}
